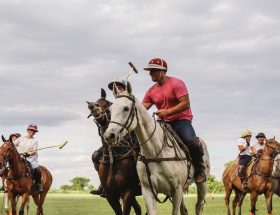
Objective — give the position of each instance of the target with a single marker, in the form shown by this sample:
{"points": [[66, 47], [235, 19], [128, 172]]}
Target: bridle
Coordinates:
{"points": [[130, 118]]}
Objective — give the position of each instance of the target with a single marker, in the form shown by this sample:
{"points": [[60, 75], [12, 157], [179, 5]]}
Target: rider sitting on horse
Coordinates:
{"points": [[259, 146], [171, 97], [245, 156], [27, 146], [96, 156]]}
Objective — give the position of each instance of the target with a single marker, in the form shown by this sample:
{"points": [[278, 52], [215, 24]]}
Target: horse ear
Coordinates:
{"points": [[11, 139], [128, 88], [3, 138], [273, 138], [87, 102], [103, 93]]}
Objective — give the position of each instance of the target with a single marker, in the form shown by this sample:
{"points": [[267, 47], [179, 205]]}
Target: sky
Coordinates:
{"points": [[56, 55]]}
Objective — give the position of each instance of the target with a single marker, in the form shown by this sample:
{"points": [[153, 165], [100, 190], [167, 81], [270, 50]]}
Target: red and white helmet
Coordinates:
{"points": [[156, 63]]}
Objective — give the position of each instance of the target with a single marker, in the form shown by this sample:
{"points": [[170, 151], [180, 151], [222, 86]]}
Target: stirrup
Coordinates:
{"points": [[244, 185]]}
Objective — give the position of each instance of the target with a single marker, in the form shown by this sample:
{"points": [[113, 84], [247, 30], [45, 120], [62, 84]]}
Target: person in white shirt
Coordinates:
{"points": [[259, 146], [245, 156], [27, 146]]}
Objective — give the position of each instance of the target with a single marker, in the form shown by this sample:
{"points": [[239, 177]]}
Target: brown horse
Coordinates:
{"points": [[259, 181], [117, 168], [19, 178]]}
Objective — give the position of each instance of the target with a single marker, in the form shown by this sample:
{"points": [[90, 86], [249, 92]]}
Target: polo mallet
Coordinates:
{"points": [[54, 146], [133, 68]]}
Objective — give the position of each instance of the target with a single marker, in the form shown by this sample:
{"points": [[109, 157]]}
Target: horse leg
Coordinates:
{"points": [[240, 203], [228, 189], [114, 202], [41, 201], [6, 203], [183, 208], [235, 201], [136, 206], [177, 199], [36, 199], [201, 193], [24, 197], [254, 198], [12, 199], [150, 200], [268, 201], [27, 206], [127, 202]]}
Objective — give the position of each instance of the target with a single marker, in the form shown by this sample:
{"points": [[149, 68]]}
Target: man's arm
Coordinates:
{"points": [[147, 105], [184, 104]]}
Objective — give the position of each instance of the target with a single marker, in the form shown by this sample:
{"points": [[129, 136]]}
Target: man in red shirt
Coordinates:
{"points": [[171, 97]]}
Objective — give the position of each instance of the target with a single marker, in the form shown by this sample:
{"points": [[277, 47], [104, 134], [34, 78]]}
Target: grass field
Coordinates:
{"points": [[84, 204]]}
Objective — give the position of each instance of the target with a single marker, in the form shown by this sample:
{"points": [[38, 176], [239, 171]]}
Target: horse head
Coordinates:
{"points": [[272, 147], [6, 153], [100, 109], [123, 115]]}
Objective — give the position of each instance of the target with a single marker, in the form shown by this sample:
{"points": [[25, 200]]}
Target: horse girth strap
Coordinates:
{"points": [[115, 157], [150, 160], [146, 162]]}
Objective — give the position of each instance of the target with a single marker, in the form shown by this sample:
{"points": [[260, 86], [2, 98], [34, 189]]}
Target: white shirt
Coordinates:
{"points": [[242, 142], [24, 144], [259, 146]]}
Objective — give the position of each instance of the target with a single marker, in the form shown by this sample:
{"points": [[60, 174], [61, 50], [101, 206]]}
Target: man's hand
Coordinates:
{"points": [[162, 113], [26, 154]]}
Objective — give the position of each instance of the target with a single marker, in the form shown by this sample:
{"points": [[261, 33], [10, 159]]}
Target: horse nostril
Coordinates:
{"points": [[112, 136]]}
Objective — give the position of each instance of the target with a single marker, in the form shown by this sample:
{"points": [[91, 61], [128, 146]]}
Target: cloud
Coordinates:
{"points": [[55, 55]]}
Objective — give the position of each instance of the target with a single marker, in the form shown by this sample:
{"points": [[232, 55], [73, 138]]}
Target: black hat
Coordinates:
{"points": [[260, 135]]}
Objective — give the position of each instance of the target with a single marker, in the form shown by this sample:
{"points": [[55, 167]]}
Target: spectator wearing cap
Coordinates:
{"points": [[120, 85], [259, 146], [27, 146], [171, 97], [245, 155]]}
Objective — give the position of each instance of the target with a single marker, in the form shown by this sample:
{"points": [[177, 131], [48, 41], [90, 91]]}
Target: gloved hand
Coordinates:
{"points": [[26, 155]]}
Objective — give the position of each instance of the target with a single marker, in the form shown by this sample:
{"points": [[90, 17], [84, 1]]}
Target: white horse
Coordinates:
{"points": [[276, 175], [163, 166]]}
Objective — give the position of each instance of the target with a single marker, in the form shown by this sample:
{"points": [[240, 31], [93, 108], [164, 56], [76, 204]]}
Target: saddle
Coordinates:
{"points": [[28, 167], [173, 136]]}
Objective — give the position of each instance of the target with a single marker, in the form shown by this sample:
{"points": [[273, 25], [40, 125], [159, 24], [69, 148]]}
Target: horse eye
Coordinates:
{"points": [[125, 109]]}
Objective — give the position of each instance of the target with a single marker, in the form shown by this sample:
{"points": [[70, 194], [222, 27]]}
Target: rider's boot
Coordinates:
{"points": [[242, 176], [196, 153], [37, 176], [96, 156], [99, 191]]}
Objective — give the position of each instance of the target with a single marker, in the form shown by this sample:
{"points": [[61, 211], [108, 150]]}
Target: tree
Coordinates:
{"points": [[79, 183], [229, 163], [65, 187], [213, 185]]}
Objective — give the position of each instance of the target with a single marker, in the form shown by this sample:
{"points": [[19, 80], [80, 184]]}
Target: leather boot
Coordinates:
{"points": [[242, 176], [96, 156], [196, 153], [99, 191], [37, 177]]}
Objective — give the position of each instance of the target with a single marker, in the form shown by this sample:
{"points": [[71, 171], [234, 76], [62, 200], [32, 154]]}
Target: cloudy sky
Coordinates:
{"points": [[55, 55]]}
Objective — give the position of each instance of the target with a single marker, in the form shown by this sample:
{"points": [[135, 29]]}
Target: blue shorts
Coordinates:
{"points": [[244, 160]]}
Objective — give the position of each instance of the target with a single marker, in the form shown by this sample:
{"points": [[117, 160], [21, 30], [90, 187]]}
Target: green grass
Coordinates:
{"points": [[85, 204]]}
